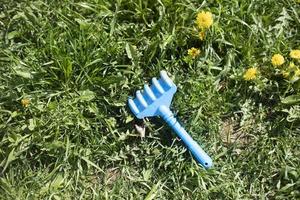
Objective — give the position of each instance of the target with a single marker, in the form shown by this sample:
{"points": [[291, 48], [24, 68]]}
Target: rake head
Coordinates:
{"points": [[147, 102]]}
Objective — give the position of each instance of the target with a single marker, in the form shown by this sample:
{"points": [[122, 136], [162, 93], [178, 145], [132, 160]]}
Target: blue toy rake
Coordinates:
{"points": [[155, 101]]}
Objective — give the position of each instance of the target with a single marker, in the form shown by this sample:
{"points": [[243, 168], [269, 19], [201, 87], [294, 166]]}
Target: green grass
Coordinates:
{"points": [[77, 63]]}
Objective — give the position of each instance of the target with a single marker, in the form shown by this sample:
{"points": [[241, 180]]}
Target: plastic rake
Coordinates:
{"points": [[155, 100]]}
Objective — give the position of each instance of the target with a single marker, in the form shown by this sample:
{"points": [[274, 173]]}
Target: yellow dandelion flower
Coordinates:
{"points": [[25, 102], [277, 60], [202, 35], [250, 74], [204, 19], [295, 54], [193, 52]]}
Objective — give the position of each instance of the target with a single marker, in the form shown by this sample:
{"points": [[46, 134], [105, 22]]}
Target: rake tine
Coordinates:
{"points": [[157, 85], [133, 107], [141, 99], [149, 92], [166, 79]]}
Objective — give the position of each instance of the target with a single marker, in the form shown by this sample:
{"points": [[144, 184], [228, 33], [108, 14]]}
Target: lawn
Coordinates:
{"points": [[68, 67]]}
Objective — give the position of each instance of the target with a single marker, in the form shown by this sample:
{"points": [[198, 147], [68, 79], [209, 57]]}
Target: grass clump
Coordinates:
{"points": [[68, 67]]}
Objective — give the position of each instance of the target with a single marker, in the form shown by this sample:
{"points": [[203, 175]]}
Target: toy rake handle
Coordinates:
{"points": [[193, 146]]}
